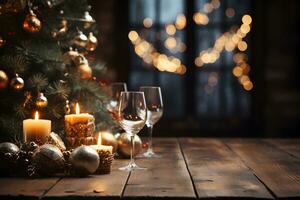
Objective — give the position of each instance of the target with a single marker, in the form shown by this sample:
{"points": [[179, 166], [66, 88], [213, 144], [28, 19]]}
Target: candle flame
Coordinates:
{"points": [[99, 142], [36, 116], [77, 108]]}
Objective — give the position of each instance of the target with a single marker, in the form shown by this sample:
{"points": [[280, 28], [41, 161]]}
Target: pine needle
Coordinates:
{"points": [[38, 81], [60, 89]]}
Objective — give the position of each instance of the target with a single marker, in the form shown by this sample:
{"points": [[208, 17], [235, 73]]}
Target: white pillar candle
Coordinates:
{"points": [[37, 130]]}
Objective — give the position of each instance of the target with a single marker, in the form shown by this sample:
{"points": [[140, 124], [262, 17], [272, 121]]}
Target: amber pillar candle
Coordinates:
{"points": [[79, 128], [36, 130]]}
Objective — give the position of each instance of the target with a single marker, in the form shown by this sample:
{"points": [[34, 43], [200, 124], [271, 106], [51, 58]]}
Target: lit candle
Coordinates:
{"points": [[78, 117], [99, 147], [36, 130], [79, 128]]}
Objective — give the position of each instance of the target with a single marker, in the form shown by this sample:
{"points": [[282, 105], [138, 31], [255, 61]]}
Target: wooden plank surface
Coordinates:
{"points": [[25, 188], [217, 172], [106, 186], [292, 146], [165, 177], [277, 169]]}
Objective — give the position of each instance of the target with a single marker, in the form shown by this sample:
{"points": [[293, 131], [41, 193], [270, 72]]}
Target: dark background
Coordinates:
{"points": [[272, 107]]}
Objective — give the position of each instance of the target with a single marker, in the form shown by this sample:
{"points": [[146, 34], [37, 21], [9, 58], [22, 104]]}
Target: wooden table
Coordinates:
{"points": [[189, 168]]}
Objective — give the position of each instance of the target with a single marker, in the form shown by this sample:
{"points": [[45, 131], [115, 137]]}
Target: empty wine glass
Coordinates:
{"points": [[154, 105], [114, 92], [132, 114]]}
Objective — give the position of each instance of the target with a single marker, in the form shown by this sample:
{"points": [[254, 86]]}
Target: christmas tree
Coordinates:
{"points": [[45, 66]]}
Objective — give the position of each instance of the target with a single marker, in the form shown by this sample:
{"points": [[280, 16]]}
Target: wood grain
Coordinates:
{"points": [[217, 172], [165, 177], [25, 188], [93, 187], [277, 169], [292, 146]]}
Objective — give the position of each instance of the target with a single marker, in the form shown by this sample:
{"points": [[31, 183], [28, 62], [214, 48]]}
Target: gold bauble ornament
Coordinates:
{"points": [[124, 145], [3, 80], [80, 40], [69, 57], [2, 42], [92, 42], [85, 71], [79, 59], [41, 100], [31, 23], [107, 138], [17, 82]]}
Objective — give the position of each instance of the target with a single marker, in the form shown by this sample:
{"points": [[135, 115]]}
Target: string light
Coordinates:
{"points": [[147, 22], [150, 55]]}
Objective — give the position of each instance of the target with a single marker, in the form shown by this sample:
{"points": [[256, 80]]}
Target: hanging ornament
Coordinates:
{"points": [[3, 80], [67, 108], [88, 19], [124, 144], [92, 42], [84, 161], [80, 40], [61, 30], [2, 42], [85, 71], [69, 56], [48, 159], [17, 83], [31, 23], [41, 100]]}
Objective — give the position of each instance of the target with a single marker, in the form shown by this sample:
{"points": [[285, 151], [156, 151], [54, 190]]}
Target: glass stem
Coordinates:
{"points": [[132, 149], [150, 131]]}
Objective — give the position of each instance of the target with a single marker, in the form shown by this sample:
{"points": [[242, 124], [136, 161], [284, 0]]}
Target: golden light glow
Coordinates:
{"points": [[230, 12], [198, 62], [215, 3], [208, 7], [36, 116], [245, 28], [170, 29], [77, 109], [133, 36], [248, 85], [200, 18], [170, 43], [99, 141], [180, 21], [242, 46], [237, 71], [147, 22], [246, 19], [243, 79]]}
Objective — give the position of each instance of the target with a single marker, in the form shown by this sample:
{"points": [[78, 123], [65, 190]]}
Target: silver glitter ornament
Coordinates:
{"points": [[84, 161], [7, 147], [48, 159]]}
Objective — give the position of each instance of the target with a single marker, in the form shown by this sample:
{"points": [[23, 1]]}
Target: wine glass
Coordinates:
{"points": [[132, 115], [154, 105], [114, 92]]}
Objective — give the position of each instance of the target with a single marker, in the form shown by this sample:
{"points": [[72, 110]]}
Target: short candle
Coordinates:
{"points": [[99, 147], [36, 130]]}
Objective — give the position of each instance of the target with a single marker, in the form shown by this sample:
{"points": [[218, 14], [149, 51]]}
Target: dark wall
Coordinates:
{"points": [[276, 61]]}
